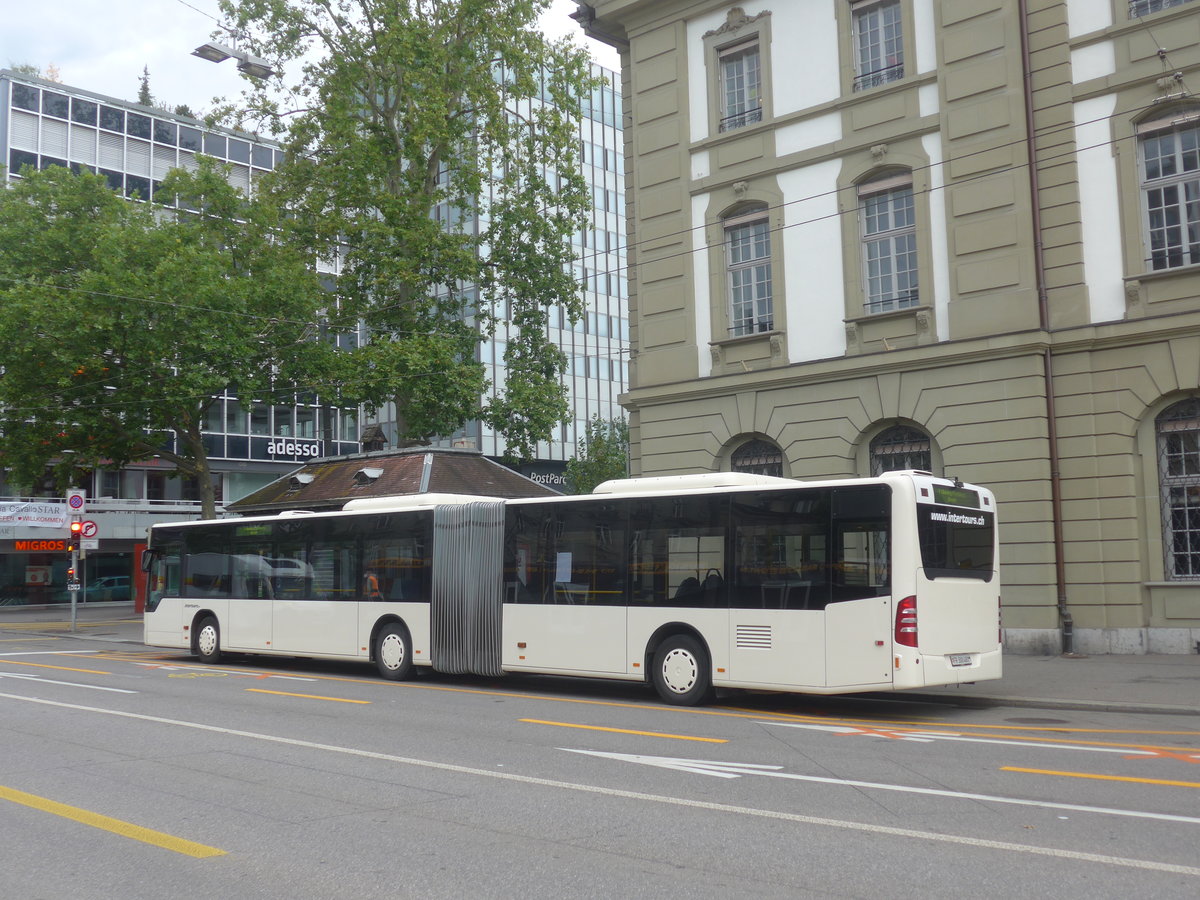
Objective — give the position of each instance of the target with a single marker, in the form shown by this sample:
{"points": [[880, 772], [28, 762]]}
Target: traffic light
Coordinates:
{"points": [[73, 540], [70, 574]]}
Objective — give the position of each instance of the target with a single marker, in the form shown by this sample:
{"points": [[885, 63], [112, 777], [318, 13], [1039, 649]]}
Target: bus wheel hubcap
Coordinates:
{"points": [[392, 651], [207, 640], [680, 671]]}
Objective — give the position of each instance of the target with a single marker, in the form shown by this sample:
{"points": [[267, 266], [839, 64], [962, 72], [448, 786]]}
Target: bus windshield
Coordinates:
{"points": [[956, 543]]}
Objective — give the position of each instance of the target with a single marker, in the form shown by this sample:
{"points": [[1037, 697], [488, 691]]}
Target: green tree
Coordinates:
{"points": [[423, 149], [144, 96], [602, 454], [121, 322]]}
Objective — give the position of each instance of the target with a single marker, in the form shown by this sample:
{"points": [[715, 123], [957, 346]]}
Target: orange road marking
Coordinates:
{"points": [[1159, 753], [1187, 784], [902, 735], [658, 734], [13, 662], [307, 696]]}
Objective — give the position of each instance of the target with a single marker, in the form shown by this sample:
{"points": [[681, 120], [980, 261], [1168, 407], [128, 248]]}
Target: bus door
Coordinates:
{"points": [[249, 624], [314, 606], [858, 617], [564, 606]]}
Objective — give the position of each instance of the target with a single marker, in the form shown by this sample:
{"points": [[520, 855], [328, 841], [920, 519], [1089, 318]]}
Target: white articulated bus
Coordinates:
{"points": [[689, 582]]}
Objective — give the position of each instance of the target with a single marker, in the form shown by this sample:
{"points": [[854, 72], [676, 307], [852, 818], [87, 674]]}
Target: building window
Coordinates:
{"points": [[1171, 185], [889, 244], [757, 457], [901, 447], [748, 243], [1178, 431], [1145, 7], [741, 86], [878, 43]]}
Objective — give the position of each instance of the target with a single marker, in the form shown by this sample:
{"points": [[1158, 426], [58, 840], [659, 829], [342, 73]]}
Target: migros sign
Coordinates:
{"points": [[43, 546]]}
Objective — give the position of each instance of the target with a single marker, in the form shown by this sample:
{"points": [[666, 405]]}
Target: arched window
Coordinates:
{"points": [[758, 457], [1178, 431], [900, 447]]}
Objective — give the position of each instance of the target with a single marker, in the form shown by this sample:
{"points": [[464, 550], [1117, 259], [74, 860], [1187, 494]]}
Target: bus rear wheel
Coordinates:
{"points": [[393, 652], [208, 640], [682, 672]]}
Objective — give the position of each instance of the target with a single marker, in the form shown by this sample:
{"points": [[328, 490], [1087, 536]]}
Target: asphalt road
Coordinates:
{"points": [[132, 773]]}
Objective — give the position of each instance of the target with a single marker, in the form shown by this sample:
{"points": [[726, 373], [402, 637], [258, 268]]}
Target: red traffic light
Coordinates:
{"points": [[76, 528]]}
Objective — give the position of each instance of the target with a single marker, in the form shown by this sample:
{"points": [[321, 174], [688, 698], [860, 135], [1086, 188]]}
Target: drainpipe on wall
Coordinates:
{"points": [[1067, 625]]}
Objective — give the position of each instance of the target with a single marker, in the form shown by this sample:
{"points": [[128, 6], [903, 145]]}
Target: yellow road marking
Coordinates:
{"points": [[24, 639], [658, 734], [306, 696], [116, 826], [1188, 784], [13, 662]]}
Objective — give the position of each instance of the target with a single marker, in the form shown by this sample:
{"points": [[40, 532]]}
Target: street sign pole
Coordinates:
{"points": [[76, 501]]}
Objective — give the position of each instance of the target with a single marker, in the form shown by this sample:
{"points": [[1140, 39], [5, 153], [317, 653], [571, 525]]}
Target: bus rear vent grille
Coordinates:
{"points": [[754, 637]]}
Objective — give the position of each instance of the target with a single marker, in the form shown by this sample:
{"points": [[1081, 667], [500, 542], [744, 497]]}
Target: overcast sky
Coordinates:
{"points": [[102, 46]]}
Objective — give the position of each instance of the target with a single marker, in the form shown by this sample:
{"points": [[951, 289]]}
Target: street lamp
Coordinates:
{"points": [[251, 65]]}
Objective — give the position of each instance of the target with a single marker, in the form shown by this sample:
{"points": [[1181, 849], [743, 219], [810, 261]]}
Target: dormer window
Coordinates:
{"points": [[366, 476]]}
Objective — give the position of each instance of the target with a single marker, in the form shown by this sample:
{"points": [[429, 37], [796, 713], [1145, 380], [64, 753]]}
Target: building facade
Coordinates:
{"points": [[956, 235]]}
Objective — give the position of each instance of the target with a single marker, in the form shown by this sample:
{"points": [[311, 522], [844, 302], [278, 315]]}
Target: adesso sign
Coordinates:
{"points": [[288, 449]]}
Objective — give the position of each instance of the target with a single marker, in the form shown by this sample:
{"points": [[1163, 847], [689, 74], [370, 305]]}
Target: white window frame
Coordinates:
{"points": [[1169, 180], [740, 80], [877, 34], [890, 259], [748, 273], [1139, 8]]}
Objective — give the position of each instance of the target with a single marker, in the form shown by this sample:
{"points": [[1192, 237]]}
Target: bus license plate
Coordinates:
{"points": [[960, 659]]}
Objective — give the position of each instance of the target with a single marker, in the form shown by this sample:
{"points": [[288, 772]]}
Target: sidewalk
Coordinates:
{"points": [[1140, 684]]}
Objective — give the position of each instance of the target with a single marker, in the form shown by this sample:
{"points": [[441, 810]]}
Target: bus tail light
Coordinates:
{"points": [[906, 622]]}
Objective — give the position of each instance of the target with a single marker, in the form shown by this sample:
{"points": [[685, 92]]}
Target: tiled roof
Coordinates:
{"points": [[328, 483]]}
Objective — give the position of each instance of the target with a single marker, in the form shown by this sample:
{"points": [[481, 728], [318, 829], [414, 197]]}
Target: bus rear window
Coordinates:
{"points": [[956, 543]]}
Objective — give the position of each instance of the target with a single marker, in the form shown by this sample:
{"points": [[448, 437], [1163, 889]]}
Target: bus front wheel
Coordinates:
{"points": [[208, 640], [682, 671], [393, 653]]}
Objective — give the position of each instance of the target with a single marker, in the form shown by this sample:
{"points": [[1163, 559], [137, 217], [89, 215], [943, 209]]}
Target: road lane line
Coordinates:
{"points": [[34, 678], [961, 840], [17, 662], [107, 823], [1130, 778], [657, 734], [47, 652], [306, 696]]}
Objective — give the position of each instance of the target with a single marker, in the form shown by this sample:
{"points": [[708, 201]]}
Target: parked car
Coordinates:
{"points": [[114, 588]]}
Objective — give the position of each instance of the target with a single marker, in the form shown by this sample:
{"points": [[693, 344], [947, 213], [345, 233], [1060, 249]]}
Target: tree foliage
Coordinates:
{"points": [[603, 454], [420, 146], [121, 322]]}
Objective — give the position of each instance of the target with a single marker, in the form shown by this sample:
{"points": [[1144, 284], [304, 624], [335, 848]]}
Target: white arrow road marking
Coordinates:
{"points": [[39, 680], [928, 736], [734, 770], [638, 796]]}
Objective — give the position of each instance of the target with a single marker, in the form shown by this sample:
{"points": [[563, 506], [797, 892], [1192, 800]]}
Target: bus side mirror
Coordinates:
{"points": [[147, 558]]}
